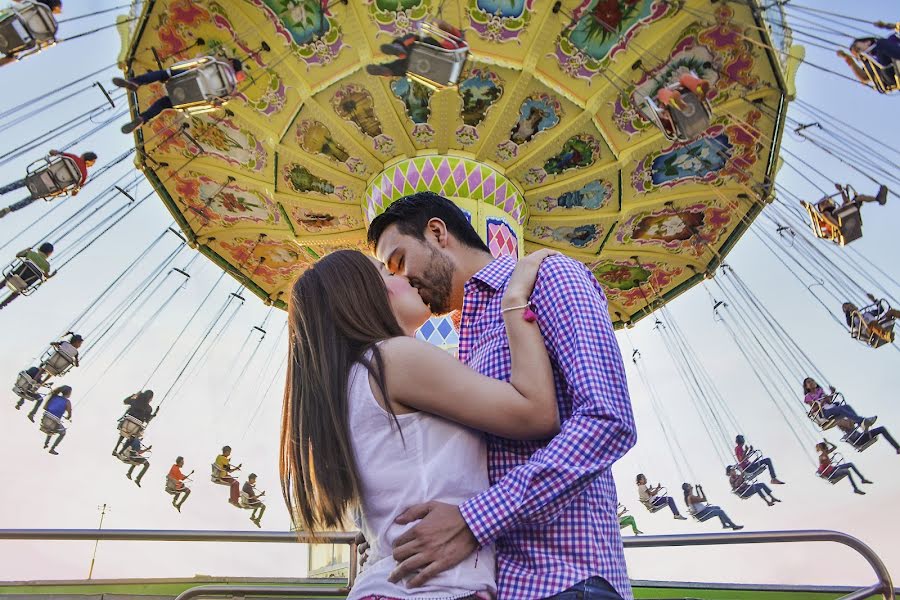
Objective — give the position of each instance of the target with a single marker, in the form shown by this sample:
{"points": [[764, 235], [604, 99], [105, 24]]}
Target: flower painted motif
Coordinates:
{"points": [[466, 135], [396, 18], [630, 284], [218, 138], [308, 26], [224, 203], [423, 134]]}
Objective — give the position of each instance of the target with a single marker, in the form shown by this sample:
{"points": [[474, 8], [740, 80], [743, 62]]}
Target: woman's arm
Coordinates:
{"points": [[426, 378]]}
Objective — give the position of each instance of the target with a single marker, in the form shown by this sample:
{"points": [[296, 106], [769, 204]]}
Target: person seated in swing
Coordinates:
{"points": [[626, 520], [825, 405], [83, 162], [31, 391], [875, 320], [859, 438], [832, 472], [224, 469], [175, 484], [745, 489], [827, 206], [68, 349], [132, 453], [651, 497], [31, 259], [750, 461], [138, 408], [884, 50], [252, 500], [165, 102], [671, 97], [402, 47], [58, 405], [55, 7], [700, 508]]}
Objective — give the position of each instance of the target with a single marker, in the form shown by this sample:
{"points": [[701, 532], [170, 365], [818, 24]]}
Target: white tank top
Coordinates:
{"points": [[440, 461]]}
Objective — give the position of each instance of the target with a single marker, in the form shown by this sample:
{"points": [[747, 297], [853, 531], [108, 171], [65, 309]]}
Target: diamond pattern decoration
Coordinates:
{"points": [[502, 240], [439, 331], [449, 176]]}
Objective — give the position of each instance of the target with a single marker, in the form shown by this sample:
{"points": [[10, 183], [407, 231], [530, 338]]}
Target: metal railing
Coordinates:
{"points": [[883, 587]]}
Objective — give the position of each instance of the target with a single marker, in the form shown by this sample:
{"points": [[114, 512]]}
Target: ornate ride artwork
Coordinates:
{"points": [[593, 195], [538, 113], [718, 54], [545, 141], [355, 104], [499, 20], [315, 138], [692, 229], [630, 284], [478, 92], [397, 18]]}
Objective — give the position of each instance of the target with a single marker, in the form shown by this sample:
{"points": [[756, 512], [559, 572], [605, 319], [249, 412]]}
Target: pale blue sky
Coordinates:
{"points": [[65, 491]]}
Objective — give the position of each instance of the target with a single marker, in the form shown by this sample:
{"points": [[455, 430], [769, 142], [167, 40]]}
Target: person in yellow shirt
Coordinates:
{"points": [[223, 462]]}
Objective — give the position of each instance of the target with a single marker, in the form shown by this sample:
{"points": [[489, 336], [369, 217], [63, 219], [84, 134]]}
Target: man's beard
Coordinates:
{"points": [[436, 283]]}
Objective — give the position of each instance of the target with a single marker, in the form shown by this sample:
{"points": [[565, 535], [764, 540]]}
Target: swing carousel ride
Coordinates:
{"points": [[544, 141]]}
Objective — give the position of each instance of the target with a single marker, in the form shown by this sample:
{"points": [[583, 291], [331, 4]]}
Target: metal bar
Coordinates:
{"points": [[884, 586], [243, 591]]}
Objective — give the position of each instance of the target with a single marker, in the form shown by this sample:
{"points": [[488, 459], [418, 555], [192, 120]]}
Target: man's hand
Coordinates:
{"points": [[74, 192], [440, 541]]}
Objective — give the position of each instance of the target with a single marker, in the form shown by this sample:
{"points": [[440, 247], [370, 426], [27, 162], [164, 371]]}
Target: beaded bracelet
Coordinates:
{"points": [[529, 315]]}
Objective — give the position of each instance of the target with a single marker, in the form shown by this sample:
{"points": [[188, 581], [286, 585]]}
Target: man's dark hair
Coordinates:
{"points": [[412, 213], [46, 248], [225, 449], [236, 64], [88, 156], [52, 4]]}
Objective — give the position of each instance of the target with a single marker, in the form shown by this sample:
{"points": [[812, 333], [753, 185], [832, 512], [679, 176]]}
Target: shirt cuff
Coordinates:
{"points": [[488, 515]]}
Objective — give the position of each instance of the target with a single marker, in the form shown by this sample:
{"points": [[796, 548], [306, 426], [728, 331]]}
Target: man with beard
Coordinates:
{"points": [[552, 516]]}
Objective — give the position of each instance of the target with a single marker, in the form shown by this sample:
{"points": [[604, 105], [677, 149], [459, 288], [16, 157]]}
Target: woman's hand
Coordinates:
{"points": [[521, 284]]}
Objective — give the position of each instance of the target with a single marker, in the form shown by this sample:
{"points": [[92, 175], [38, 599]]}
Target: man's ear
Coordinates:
{"points": [[438, 230]]}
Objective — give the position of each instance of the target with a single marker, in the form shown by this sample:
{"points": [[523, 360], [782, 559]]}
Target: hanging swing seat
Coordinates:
{"points": [[56, 362], [27, 28], [201, 84], [885, 77], [652, 506], [23, 276], [172, 486], [848, 227], [817, 411], [53, 176], [680, 124], [27, 388], [130, 457], [869, 326], [436, 66], [831, 474], [50, 424], [752, 465], [859, 439], [219, 476], [246, 503], [130, 426]]}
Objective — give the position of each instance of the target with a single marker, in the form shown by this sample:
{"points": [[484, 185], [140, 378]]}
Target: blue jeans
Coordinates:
{"points": [[658, 500], [842, 411], [758, 464], [163, 103], [12, 186], [595, 588]]}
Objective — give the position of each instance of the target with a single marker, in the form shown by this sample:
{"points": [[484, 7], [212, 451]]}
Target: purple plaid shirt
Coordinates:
{"points": [[551, 510]]}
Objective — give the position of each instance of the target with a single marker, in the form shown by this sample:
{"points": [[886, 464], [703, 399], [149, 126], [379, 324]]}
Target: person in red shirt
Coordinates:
{"points": [[84, 162], [401, 47], [175, 479]]}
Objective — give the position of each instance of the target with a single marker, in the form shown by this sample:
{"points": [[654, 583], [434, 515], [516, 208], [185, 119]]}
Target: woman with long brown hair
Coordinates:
{"points": [[375, 420]]}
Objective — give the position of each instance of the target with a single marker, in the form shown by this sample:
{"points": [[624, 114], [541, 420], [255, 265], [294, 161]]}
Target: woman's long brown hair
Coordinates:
{"points": [[339, 310]]}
